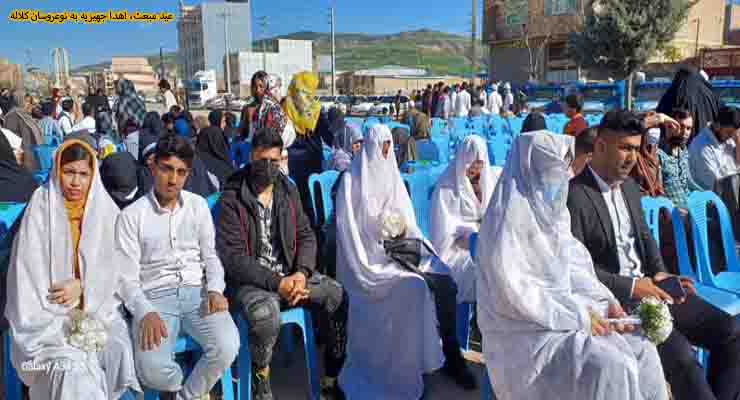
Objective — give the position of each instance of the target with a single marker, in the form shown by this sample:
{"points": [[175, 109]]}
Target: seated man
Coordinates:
{"points": [[169, 237], [269, 251], [387, 275], [542, 309], [714, 153], [607, 218], [674, 159], [584, 150], [458, 205]]}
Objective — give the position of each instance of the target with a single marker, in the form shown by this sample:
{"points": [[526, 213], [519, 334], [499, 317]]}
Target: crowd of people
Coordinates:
{"points": [[117, 252]]}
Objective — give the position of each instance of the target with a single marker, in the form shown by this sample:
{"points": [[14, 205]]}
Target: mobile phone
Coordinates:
{"points": [[673, 287]]}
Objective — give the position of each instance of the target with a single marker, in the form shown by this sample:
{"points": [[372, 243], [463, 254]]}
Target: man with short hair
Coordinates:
{"points": [[169, 236], [495, 101], [65, 118], [584, 150], [88, 121], [606, 216], [269, 252], [573, 108], [48, 125], [673, 155], [714, 153]]}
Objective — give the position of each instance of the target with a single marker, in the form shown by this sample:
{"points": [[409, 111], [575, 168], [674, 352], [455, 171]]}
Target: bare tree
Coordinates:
{"points": [[535, 50]]}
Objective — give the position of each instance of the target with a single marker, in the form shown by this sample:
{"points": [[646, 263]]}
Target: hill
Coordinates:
{"points": [[438, 52]]}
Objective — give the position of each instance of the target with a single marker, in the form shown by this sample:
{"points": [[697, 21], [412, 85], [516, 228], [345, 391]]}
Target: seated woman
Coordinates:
{"points": [[387, 275], [458, 205], [541, 307], [64, 263], [17, 183], [214, 150], [347, 143]]}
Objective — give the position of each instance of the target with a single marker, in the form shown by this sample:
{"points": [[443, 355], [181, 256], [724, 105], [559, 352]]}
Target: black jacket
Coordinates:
{"points": [[592, 225], [238, 232]]}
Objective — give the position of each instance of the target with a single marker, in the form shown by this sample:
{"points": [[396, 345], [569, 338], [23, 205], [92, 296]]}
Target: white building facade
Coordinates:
{"points": [[292, 56]]}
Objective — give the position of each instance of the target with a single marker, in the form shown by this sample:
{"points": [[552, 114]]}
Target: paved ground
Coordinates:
{"points": [[290, 382]]}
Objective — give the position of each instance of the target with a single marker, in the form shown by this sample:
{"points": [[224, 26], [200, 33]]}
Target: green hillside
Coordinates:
{"points": [[438, 52]]}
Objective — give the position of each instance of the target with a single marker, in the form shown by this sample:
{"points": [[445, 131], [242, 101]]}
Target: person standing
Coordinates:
{"points": [[65, 118], [508, 98], [169, 97], [573, 108], [495, 102], [463, 102]]}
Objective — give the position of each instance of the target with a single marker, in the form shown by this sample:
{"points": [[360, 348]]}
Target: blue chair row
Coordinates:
{"points": [[421, 185], [325, 181]]}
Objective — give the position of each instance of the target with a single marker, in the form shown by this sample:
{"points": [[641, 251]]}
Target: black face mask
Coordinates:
{"points": [[262, 174], [677, 141]]}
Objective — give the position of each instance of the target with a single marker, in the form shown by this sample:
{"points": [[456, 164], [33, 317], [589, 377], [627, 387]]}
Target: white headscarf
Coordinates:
{"points": [[534, 275], [373, 188], [455, 204], [42, 255]]}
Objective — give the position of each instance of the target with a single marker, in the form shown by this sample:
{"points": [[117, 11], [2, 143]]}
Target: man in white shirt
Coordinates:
{"points": [[453, 99], [65, 118], [169, 97], [606, 216], [495, 102], [463, 102], [714, 153], [88, 121], [508, 98], [169, 235]]}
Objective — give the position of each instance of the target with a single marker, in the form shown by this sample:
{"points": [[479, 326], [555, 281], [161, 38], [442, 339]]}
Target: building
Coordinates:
{"points": [[547, 23], [388, 80], [732, 24], [103, 80], [59, 67], [290, 57], [202, 30], [137, 70]]}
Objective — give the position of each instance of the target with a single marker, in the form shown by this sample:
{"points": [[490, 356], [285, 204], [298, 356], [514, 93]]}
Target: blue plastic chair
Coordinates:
{"points": [[438, 126], [9, 214], [187, 344], [326, 181], [121, 147], [498, 150], [421, 186], [727, 280], [393, 125], [478, 125], [44, 154], [497, 126], [297, 316], [355, 120], [515, 125], [10, 378], [242, 153], [651, 208], [427, 150], [213, 205]]}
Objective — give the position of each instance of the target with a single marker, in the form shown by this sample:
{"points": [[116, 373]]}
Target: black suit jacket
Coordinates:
{"points": [[592, 225]]}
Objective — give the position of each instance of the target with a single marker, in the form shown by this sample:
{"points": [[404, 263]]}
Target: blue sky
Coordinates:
{"points": [[88, 44]]}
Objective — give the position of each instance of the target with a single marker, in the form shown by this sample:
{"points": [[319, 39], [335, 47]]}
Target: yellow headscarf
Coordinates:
{"points": [[75, 209], [301, 105]]}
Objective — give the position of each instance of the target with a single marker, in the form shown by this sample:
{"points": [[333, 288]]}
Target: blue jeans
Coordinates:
{"points": [[183, 309]]}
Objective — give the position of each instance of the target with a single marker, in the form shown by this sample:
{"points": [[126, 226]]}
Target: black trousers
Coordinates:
{"points": [[444, 289], [697, 322], [261, 309]]}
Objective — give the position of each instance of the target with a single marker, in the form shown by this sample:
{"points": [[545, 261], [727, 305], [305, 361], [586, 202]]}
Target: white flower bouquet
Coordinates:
{"points": [[394, 225], [654, 317], [86, 332]]}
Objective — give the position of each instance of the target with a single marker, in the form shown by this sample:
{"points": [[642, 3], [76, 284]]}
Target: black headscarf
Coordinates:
{"points": [[17, 183], [534, 122], [153, 125], [118, 172], [213, 149], [690, 91]]}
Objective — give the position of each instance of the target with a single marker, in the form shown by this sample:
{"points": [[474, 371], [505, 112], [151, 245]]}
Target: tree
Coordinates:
{"points": [[536, 52], [620, 36]]}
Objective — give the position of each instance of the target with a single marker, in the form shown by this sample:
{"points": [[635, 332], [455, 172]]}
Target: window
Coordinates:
{"points": [[559, 7]]}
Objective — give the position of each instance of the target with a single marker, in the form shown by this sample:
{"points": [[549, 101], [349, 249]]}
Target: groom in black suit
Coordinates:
{"points": [[606, 217]]}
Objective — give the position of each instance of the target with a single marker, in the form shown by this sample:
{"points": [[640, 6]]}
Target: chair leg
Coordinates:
{"points": [[10, 379], [312, 367], [244, 388]]}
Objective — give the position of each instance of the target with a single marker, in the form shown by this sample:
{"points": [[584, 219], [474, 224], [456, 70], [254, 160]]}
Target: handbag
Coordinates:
{"points": [[408, 253]]}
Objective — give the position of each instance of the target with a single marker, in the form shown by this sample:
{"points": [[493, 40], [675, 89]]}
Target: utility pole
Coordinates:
{"points": [[696, 43], [474, 37], [263, 26], [161, 64], [226, 15], [333, 52]]}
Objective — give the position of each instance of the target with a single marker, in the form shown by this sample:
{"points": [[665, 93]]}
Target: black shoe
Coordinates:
{"points": [[261, 389], [330, 389], [461, 374]]}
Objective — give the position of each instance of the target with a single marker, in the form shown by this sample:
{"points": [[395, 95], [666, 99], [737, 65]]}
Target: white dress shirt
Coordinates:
{"points": [[624, 232], [711, 160], [462, 104], [495, 102], [87, 124], [173, 247]]}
